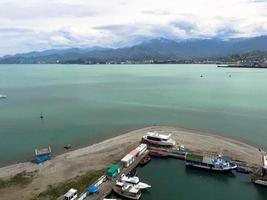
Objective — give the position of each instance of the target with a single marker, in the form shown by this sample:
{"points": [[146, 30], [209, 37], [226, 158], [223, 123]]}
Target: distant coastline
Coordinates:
{"points": [[242, 66]]}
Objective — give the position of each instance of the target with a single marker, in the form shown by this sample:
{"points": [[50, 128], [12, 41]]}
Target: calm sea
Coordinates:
{"points": [[83, 104]]}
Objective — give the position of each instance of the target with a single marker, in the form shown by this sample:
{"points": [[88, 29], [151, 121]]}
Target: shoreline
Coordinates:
{"points": [[100, 155], [125, 131]]}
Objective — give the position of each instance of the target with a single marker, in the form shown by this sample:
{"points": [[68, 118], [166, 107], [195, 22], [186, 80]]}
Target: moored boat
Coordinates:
{"points": [[244, 170], [127, 190], [144, 161], [158, 154], [210, 162], [259, 177], [156, 139], [134, 181]]}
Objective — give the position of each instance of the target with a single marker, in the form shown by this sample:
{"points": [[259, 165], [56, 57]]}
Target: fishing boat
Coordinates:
{"points": [[158, 154], [210, 162], [156, 139], [134, 181], [144, 161], [129, 191]]}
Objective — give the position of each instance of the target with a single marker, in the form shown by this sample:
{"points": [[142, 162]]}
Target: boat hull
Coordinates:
{"points": [[260, 182], [118, 191], [157, 154]]}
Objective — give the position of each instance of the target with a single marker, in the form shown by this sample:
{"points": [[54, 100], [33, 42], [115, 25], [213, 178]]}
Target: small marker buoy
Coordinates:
{"points": [[41, 116]]}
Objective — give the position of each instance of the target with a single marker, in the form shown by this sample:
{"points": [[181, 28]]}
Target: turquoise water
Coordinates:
{"points": [[171, 181], [83, 104]]}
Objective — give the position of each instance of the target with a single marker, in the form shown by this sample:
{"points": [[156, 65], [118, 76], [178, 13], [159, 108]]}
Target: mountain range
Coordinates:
{"points": [[155, 49]]}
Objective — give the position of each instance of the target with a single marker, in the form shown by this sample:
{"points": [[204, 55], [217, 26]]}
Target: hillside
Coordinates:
{"points": [[155, 49]]}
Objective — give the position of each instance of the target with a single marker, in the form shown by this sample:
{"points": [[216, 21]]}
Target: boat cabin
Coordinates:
{"points": [[157, 137]]}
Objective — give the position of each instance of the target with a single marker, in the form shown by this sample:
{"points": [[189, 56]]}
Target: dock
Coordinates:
{"points": [[106, 187]]}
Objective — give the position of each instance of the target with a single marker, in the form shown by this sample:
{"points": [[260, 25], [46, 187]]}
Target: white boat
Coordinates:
{"points": [[260, 182], [127, 190], [157, 139], [135, 181], [2, 96]]}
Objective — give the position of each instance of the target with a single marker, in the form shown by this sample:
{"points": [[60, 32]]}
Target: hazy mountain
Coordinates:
{"points": [[160, 49]]}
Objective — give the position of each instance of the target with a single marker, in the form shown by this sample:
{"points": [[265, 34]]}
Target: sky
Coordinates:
{"points": [[34, 25]]}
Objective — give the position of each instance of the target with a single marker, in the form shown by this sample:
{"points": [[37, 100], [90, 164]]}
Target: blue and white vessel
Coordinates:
{"points": [[210, 162]]}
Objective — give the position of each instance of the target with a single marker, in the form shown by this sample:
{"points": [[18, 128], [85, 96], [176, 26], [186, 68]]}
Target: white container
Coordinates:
{"points": [[142, 148], [127, 160]]}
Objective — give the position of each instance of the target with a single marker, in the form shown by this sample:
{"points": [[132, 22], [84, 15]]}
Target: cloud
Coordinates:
{"points": [[41, 9], [37, 25], [156, 12]]}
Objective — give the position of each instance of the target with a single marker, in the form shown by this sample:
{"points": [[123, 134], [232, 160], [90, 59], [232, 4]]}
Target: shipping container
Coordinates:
{"points": [[127, 160]]}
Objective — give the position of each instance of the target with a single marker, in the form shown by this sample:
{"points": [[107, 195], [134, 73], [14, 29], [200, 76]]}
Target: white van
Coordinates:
{"points": [[71, 194]]}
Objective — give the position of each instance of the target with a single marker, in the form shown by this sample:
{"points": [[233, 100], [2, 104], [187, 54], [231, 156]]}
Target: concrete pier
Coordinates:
{"points": [[106, 187]]}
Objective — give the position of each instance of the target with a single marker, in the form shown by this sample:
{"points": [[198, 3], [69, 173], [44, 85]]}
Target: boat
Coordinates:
{"points": [[244, 170], [41, 115], [211, 162], [144, 161], [158, 154], [3, 96], [156, 139], [180, 150], [259, 176], [127, 190], [67, 146], [134, 181]]}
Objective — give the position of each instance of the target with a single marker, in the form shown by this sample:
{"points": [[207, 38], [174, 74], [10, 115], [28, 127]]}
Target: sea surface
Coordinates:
{"points": [[170, 180], [83, 104]]}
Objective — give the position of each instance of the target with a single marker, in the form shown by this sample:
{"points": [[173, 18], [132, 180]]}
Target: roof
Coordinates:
{"points": [[70, 192], [141, 146], [113, 168], [93, 189], [127, 158], [134, 152], [155, 134], [42, 151]]}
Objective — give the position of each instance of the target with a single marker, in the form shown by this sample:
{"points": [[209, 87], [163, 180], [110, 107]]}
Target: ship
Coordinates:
{"points": [[156, 139], [210, 162]]}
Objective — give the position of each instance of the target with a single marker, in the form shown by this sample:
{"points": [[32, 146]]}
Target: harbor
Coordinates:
{"points": [[117, 150], [160, 146]]}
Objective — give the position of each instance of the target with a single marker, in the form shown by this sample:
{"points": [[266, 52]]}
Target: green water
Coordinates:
{"points": [[83, 104], [171, 181]]}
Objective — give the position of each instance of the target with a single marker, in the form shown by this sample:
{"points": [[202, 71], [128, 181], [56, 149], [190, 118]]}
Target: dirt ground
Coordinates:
{"points": [[101, 155]]}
